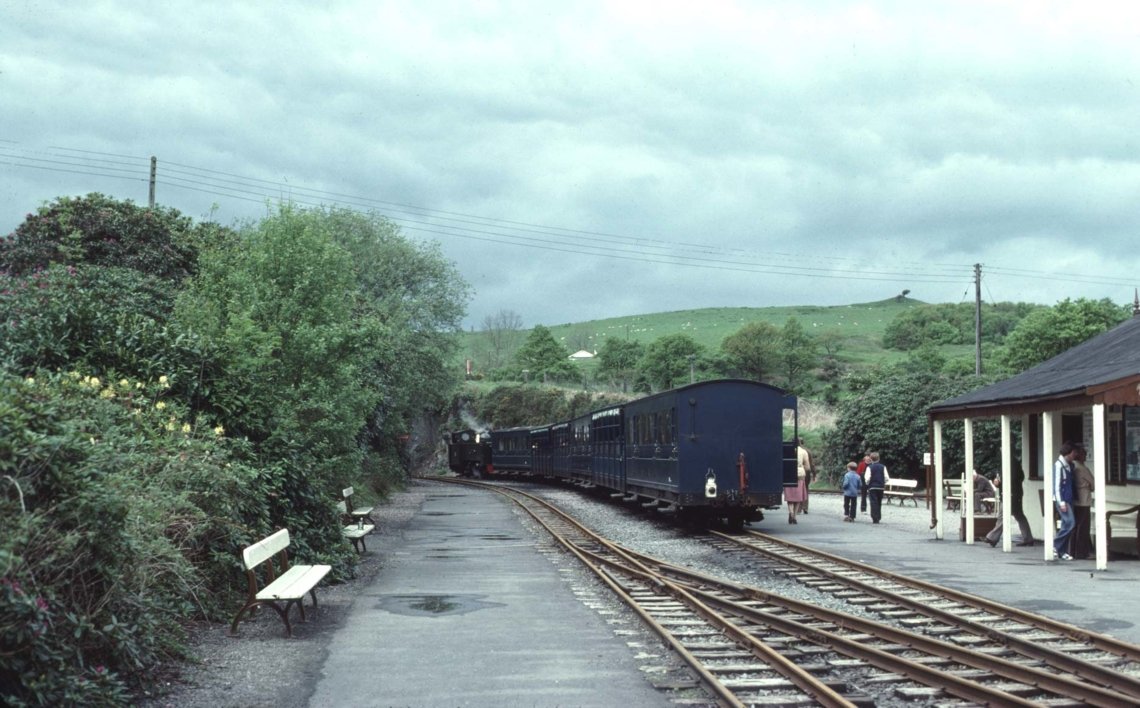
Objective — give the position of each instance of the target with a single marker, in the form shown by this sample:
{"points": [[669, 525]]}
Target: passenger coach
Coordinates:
{"points": [[714, 448]]}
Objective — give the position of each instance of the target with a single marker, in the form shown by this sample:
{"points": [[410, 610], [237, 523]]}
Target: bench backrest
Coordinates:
{"points": [[265, 549], [952, 486], [347, 492], [911, 483]]}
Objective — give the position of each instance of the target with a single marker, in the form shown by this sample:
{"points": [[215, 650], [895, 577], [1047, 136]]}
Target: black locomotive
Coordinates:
{"points": [[714, 449], [469, 453]]}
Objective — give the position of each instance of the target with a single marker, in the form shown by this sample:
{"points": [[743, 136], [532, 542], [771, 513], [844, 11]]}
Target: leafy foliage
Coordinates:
{"points": [[99, 230], [618, 359], [666, 363], [1047, 332], [890, 417], [103, 320], [944, 324], [543, 357], [754, 351], [118, 517]]}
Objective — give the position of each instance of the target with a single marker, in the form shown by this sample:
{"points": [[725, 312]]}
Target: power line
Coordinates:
{"points": [[450, 224]]}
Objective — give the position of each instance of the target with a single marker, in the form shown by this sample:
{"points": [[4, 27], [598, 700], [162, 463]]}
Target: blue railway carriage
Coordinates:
{"points": [[715, 448], [510, 450]]}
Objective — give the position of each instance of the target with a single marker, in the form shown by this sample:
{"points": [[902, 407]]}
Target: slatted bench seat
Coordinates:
{"points": [[354, 529], [952, 493], [901, 489], [362, 514], [286, 585], [1121, 512]]}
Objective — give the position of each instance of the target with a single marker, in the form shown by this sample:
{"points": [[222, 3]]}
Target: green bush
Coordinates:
{"points": [[99, 230], [122, 519]]}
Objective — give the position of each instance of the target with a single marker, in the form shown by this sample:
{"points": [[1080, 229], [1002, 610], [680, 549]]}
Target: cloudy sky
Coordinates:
{"points": [[593, 159]]}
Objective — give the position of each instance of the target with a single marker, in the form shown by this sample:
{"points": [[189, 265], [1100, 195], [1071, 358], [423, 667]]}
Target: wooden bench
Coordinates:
{"points": [[364, 514], [901, 489], [354, 528], [952, 493], [286, 585]]}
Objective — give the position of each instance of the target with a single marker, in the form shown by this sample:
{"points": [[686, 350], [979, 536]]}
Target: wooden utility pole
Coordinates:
{"points": [[153, 172], [978, 318]]}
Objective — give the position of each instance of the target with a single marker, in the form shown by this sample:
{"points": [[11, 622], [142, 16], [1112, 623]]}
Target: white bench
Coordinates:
{"points": [[901, 489], [354, 528], [285, 585], [361, 515]]}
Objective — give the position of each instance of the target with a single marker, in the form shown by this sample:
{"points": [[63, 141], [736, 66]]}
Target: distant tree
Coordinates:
{"points": [[580, 339], [544, 357], [618, 359], [754, 351], [798, 356], [666, 362], [1045, 333], [947, 323], [502, 334]]}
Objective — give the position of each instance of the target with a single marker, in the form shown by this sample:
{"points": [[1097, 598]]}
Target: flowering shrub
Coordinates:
{"points": [[115, 529]]}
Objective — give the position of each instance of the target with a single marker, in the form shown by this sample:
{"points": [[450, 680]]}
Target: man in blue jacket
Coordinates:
{"points": [[1063, 499]]}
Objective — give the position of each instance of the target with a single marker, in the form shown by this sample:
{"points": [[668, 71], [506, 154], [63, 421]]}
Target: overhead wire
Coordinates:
{"points": [[451, 224]]}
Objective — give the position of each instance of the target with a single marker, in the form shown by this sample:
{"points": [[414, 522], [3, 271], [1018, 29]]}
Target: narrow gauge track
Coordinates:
{"points": [[751, 647], [937, 611]]}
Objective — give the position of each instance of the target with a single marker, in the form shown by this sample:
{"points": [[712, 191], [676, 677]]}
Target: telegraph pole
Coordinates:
{"points": [[153, 172], [978, 318]]}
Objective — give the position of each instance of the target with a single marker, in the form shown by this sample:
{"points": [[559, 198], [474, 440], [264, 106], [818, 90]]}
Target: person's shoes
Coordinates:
{"points": [[874, 521], [1066, 557], [791, 519], [992, 543], [1026, 543]]}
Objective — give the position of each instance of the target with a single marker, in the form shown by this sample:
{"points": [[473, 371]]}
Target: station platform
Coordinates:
{"points": [[472, 609]]}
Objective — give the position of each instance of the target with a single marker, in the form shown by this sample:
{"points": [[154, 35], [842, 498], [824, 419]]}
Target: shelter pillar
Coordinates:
{"points": [[1006, 482], [939, 505], [1048, 518], [1100, 494], [967, 505]]}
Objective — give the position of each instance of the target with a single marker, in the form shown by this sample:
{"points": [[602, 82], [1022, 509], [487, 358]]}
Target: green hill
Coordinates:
{"points": [[858, 330]]}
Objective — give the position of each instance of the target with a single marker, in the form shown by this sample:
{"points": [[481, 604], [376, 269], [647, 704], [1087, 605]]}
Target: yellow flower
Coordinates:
{"points": [[95, 383], [124, 383], [186, 427], [164, 382], [92, 440], [219, 430], [107, 393], [138, 384], [160, 405], [170, 425], [30, 381]]}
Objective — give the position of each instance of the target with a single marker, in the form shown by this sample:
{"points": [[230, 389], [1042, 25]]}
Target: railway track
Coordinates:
{"points": [[750, 647]]}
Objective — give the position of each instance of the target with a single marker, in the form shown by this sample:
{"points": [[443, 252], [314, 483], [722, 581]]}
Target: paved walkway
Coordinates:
{"points": [[467, 612]]}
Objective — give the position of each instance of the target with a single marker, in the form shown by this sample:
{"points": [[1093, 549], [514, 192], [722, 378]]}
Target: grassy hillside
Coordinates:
{"points": [[859, 326]]}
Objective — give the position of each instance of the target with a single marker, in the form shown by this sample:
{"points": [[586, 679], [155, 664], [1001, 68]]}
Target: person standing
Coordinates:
{"points": [[1081, 543], [1063, 499], [794, 496], [876, 476], [808, 479], [851, 484], [863, 464]]}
